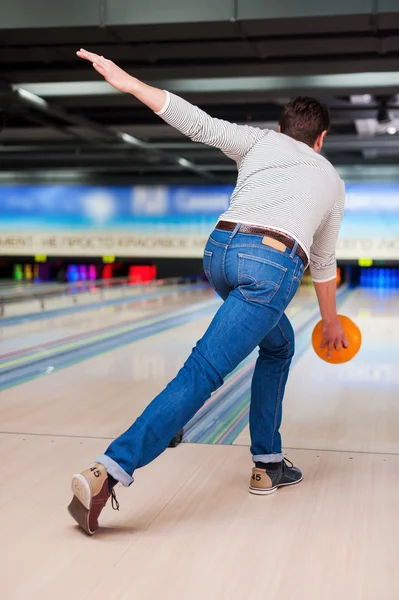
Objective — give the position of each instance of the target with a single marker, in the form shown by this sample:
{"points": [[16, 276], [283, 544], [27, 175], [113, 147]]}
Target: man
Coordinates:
{"points": [[285, 212]]}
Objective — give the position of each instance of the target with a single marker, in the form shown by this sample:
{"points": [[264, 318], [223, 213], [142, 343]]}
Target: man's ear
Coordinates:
{"points": [[319, 142]]}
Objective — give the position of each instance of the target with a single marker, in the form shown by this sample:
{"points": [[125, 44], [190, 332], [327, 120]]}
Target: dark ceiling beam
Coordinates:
{"points": [[158, 171], [349, 161], [236, 75], [106, 179], [52, 156], [254, 99], [46, 121], [344, 143], [130, 168], [201, 50], [348, 143], [352, 172], [94, 129], [243, 113]]}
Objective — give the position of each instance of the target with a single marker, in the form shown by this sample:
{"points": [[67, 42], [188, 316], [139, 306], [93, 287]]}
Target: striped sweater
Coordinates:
{"points": [[282, 184]]}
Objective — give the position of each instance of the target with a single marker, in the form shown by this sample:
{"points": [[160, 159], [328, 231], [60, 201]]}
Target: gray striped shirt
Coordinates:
{"points": [[282, 184]]}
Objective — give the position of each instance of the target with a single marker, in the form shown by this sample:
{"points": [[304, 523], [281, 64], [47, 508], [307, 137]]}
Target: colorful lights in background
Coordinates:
{"points": [[18, 274], [92, 273], [108, 272], [26, 273], [41, 272], [142, 274], [76, 273], [372, 277]]}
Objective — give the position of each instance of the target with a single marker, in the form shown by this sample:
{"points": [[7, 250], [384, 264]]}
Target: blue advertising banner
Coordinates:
{"points": [[132, 208], [165, 221]]}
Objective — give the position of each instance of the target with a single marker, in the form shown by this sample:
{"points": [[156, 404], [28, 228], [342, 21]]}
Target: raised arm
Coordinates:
{"points": [[234, 140]]}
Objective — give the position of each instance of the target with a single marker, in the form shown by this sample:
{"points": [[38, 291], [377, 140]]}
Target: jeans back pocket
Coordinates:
{"points": [[259, 279]]}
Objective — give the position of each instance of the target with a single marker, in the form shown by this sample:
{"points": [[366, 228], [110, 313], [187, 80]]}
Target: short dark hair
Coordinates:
{"points": [[304, 119]]}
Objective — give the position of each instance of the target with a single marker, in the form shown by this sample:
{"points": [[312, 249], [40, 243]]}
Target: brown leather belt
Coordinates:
{"points": [[284, 239]]}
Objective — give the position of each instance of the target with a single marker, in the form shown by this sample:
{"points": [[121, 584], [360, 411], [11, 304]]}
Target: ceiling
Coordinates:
{"points": [[60, 122]]}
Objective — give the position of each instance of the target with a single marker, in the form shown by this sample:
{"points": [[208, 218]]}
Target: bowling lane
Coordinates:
{"points": [[13, 289], [101, 396], [32, 333], [352, 407], [33, 305]]}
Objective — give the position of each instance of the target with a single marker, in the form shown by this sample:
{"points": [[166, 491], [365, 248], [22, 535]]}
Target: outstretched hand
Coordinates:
{"points": [[113, 74]]}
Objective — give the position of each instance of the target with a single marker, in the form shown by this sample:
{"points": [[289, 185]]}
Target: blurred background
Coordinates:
{"points": [[88, 173]]}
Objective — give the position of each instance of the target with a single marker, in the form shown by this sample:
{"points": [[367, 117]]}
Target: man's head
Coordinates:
{"points": [[306, 120]]}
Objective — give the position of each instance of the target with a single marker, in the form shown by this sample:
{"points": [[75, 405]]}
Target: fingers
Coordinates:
{"points": [[88, 55], [100, 63], [342, 342], [330, 346], [96, 59], [338, 344], [99, 69]]}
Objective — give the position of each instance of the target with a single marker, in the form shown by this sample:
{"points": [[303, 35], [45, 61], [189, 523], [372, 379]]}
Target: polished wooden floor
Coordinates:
{"points": [[188, 528]]}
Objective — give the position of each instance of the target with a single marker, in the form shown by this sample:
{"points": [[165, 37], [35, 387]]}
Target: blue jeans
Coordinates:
{"points": [[256, 283]]}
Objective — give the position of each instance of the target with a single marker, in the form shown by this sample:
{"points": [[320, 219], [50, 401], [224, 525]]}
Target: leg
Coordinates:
{"points": [[271, 471], [268, 384], [220, 285], [214, 357]]}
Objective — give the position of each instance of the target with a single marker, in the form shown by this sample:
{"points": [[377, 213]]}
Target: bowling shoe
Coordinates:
{"points": [[90, 494], [268, 480]]}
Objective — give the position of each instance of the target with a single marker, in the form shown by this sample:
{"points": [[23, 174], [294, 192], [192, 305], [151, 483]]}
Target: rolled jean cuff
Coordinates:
{"points": [[266, 458], [115, 470]]}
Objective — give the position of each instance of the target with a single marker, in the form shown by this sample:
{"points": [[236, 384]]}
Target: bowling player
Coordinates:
{"points": [[284, 214]]}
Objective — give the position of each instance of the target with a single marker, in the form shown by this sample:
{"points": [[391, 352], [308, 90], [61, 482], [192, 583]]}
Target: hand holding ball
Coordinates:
{"points": [[353, 336]]}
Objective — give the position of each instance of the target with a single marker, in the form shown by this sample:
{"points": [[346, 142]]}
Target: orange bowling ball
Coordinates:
{"points": [[353, 336]]}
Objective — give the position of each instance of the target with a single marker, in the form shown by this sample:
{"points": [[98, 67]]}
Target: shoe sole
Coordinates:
{"points": [[269, 491], [80, 514], [80, 505], [82, 490]]}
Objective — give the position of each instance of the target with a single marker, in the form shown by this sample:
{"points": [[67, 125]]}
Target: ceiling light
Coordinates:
{"points": [[26, 95], [352, 80], [391, 130], [129, 139], [362, 99], [183, 162]]}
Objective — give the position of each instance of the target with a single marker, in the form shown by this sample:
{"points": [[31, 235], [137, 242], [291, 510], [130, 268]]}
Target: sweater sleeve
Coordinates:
{"points": [[234, 140], [323, 262]]}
